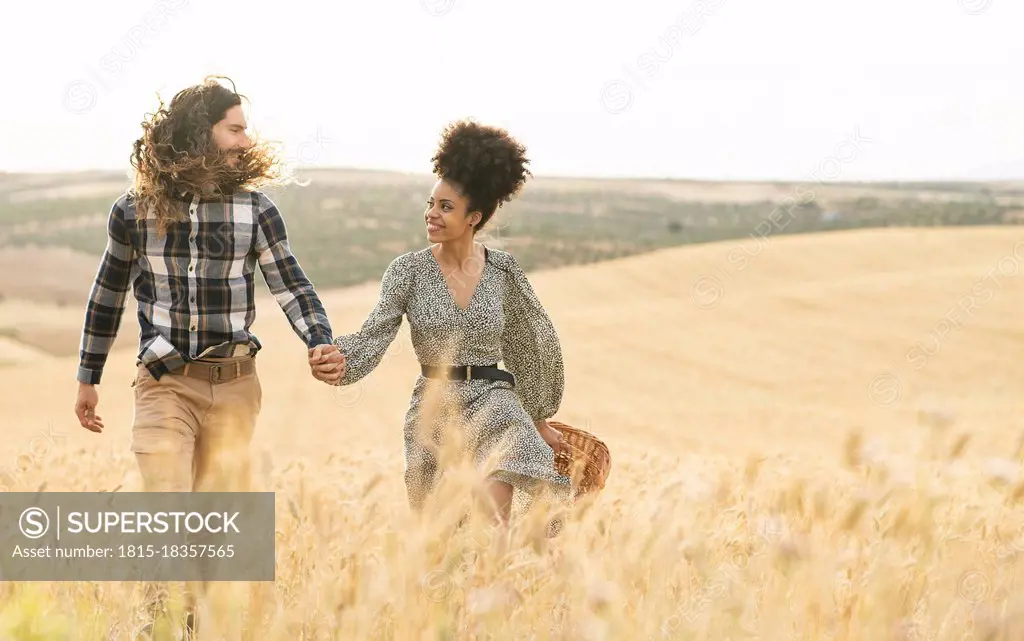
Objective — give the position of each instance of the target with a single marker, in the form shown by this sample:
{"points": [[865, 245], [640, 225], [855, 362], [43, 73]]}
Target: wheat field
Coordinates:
{"points": [[812, 437]]}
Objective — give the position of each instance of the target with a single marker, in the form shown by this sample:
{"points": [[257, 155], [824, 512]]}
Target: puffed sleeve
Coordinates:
{"points": [[530, 347], [364, 349]]}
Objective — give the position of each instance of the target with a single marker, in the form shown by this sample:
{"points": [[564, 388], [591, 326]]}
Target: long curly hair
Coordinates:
{"points": [[484, 163], [176, 154]]}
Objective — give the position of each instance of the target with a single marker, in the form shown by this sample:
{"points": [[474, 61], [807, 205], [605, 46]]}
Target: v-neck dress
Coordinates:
{"points": [[503, 323]]}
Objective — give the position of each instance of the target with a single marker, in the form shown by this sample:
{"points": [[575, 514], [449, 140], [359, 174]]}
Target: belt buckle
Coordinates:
{"points": [[215, 373], [469, 373]]}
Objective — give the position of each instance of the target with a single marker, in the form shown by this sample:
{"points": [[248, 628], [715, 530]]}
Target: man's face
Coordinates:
{"points": [[229, 134]]}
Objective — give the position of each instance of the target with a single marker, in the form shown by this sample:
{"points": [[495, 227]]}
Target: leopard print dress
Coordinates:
{"points": [[493, 421]]}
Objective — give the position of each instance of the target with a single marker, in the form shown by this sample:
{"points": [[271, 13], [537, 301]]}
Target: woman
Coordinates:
{"points": [[469, 305]]}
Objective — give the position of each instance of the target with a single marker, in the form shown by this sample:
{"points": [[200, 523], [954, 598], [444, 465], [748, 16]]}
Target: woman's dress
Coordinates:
{"points": [[503, 322]]}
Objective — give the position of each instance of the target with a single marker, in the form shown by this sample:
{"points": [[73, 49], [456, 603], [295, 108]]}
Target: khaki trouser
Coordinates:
{"points": [[193, 435]]}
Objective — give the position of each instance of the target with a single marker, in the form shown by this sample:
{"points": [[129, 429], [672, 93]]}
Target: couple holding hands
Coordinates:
{"points": [[197, 391]]}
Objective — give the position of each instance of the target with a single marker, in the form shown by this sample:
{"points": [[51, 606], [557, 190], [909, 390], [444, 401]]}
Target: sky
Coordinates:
{"points": [[706, 89]]}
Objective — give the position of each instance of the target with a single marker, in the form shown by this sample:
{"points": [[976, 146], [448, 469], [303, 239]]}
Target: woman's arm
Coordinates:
{"points": [[530, 347], [364, 350]]}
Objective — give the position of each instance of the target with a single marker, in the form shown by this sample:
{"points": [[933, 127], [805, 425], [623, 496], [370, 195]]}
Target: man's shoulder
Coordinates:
{"points": [[257, 197], [124, 205], [258, 194]]}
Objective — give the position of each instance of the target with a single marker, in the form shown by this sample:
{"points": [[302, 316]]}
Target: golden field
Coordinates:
{"points": [[812, 437]]}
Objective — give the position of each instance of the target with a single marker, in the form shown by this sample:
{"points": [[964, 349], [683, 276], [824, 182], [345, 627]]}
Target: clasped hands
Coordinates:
{"points": [[327, 363]]}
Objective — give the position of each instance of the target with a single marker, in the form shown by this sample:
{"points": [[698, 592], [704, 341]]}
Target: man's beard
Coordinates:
{"points": [[234, 156], [213, 176], [229, 170]]}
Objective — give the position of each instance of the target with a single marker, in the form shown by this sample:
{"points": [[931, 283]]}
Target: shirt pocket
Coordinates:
{"points": [[228, 241]]}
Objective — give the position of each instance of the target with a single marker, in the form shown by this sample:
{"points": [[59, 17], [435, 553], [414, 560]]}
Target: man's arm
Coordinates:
{"points": [[287, 281], [106, 302]]}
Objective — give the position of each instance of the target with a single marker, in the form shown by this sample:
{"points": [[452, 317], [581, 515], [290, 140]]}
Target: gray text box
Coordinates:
{"points": [[137, 536]]}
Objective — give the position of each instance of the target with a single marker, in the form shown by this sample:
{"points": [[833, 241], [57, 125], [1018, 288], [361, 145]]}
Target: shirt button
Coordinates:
{"points": [[191, 268]]}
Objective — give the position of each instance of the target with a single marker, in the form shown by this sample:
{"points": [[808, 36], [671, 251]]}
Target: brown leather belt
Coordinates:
{"points": [[218, 372]]}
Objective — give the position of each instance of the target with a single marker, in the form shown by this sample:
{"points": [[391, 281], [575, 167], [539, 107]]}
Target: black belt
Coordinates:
{"points": [[468, 372]]}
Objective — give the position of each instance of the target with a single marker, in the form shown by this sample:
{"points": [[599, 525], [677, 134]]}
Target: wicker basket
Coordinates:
{"points": [[588, 464]]}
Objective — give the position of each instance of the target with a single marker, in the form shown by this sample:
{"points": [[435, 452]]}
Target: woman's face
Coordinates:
{"points": [[446, 214]]}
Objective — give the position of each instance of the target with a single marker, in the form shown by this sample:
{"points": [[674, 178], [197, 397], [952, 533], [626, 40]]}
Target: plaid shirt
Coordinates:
{"points": [[194, 284]]}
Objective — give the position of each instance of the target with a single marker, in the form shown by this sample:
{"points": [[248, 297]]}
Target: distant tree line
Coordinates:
{"points": [[348, 233]]}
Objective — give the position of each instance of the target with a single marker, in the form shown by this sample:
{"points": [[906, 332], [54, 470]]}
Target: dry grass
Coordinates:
{"points": [[760, 488], [906, 548]]}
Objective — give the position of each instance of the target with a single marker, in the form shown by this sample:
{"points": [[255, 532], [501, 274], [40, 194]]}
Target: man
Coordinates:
{"points": [[189, 236]]}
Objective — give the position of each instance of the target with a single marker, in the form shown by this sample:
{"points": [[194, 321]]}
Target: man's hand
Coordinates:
{"points": [[327, 363], [85, 408]]}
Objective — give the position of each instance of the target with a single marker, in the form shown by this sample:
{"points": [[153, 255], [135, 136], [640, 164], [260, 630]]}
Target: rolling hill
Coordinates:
{"points": [[674, 351]]}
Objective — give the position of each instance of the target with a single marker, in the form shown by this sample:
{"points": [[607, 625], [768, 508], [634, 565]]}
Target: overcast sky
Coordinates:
{"points": [[719, 89]]}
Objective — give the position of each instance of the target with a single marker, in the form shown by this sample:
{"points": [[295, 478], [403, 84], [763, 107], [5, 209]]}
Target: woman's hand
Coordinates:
{"points": [[551, 436]]}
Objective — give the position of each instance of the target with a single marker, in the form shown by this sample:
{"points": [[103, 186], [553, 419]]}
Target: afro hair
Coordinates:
{"points": [[485, 163]]}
